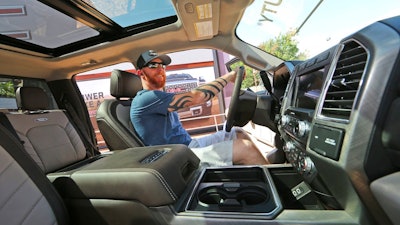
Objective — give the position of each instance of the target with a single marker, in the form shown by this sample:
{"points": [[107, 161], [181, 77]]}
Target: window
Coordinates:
{"points": [[188, 70], [8, 87]]}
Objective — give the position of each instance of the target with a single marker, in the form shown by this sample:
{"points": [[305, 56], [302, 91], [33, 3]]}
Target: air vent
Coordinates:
{"points": [[345, 81]]}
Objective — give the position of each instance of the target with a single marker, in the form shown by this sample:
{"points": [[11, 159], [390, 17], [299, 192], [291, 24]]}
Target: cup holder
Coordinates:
{"points": [[233, 197], [244, 191]]}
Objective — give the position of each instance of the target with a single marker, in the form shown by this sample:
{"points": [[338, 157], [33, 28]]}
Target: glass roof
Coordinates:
{"points": [[69, 22], [41, 25], [131, 12]]}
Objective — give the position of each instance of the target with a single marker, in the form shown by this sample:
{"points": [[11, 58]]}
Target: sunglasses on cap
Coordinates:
{"points": [[155, 65]]}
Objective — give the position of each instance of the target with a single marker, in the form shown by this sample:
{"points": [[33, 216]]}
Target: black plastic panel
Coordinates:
{"points": [[327, 141]]}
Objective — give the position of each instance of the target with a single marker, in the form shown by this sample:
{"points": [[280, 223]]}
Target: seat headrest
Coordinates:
{"points": [[31, 98], [124, 84]]}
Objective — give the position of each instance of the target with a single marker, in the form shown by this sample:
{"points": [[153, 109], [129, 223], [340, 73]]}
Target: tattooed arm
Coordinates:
{"points": [[202, 93]]}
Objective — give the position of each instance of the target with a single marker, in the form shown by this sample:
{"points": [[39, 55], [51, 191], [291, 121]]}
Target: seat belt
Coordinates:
{"points": [[74, 118], [7, 124]]}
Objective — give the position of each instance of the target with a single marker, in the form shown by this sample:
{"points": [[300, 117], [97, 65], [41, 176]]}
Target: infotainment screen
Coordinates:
{"points": [[308, 90]]}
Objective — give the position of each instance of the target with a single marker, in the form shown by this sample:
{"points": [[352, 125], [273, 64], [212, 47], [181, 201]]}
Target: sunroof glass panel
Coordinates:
{"points": [[39, 24], [128, 13]]}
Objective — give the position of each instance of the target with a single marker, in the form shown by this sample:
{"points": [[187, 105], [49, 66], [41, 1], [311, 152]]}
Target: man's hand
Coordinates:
{"points": [[244, 71], [232, 75]]}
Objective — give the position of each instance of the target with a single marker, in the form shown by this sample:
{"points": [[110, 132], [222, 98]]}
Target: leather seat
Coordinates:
{"points": [[26, 195], [113, 115], [63, 147]]}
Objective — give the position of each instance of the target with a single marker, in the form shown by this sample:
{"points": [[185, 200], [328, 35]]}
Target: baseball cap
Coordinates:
{"points": [[149, 55]]}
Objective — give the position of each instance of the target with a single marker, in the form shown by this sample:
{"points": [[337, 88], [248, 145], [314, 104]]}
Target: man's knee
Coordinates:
{"points": [[243, 143], [246, 152], [242, 134], [243, 148]]}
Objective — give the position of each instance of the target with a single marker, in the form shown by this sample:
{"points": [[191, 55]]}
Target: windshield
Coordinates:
{"points": [[300, 29]]}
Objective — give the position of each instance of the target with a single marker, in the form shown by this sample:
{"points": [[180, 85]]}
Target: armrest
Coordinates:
{"points": [[132, 175]]}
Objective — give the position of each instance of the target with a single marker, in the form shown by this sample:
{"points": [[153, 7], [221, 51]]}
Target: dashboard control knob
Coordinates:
{"points": [[302, 128], [307, 165], [289, 147], [285, 120]]}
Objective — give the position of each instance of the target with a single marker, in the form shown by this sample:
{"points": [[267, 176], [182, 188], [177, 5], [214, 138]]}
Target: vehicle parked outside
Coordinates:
{"points": [[184, 82]]}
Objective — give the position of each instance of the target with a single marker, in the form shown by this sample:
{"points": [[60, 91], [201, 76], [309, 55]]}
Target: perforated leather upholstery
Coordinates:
{"points": [[113, 115], [63, 145], [26, 195]]}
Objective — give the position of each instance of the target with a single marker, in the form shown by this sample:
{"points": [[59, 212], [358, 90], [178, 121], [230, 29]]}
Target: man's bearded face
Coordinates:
{"points": [[157, 80]]}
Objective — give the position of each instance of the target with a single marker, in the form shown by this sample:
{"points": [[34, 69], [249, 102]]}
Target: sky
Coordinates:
{"points": [[331, 21]]}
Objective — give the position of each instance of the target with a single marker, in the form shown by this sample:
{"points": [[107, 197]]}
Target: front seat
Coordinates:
{"points": [[26, 195], [113, 115]]}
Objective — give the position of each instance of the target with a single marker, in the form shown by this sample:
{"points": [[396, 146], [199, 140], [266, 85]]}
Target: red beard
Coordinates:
{"points": [[157, 82]]}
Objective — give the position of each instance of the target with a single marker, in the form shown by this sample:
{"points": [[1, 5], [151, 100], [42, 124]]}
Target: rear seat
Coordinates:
{"points": [[63, 145]]}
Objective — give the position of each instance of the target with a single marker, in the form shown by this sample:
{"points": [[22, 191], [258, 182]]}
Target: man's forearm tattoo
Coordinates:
{"points": [[226, 82], [208, 93], [180, 102], [209, 90]]}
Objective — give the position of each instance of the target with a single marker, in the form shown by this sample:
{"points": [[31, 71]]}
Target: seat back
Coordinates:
{"points": [[113, 115], [26, 195], [63, 145]]}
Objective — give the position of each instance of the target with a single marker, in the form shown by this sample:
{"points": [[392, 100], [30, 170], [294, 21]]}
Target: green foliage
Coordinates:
{"points": [[284, 47], [251, 76], [7, 89]]}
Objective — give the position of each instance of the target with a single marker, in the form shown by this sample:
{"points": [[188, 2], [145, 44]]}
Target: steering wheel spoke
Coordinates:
{"points": [[234, 104]]}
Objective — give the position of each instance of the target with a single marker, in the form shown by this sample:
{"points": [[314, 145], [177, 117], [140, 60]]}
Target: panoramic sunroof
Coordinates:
{"points": [[39, 24], [57, 27], [132, 12]]}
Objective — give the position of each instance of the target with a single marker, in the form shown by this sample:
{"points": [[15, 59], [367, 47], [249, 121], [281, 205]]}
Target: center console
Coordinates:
{"points": [[126, 184], [271, 194]]}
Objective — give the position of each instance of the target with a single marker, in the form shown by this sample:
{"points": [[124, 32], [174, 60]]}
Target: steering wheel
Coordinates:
{"points": [[233, 106]]}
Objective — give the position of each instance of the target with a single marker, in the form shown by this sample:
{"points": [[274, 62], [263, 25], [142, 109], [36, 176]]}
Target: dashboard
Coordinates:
{"points": [[337, 119], [298, 108]]}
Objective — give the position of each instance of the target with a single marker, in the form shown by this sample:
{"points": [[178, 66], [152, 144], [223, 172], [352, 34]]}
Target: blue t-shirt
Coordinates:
{"points": [[153, 122]]}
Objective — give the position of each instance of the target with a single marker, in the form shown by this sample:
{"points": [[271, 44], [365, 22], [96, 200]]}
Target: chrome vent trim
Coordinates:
{"points": [[345, 81]]}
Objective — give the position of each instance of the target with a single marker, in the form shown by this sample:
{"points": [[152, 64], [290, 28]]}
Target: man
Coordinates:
{"points": [[155, 118]]}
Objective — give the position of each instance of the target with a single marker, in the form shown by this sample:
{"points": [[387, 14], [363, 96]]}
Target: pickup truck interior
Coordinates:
{"points": [[331, 98]]}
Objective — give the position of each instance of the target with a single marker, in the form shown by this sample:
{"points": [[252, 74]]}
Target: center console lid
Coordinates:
{"points": [[154, 176]]}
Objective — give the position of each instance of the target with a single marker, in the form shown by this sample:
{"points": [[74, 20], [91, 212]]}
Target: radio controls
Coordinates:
{"points": [[302, 128], [296, 130], [307, 165], [289, 147], [285, 120]]}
